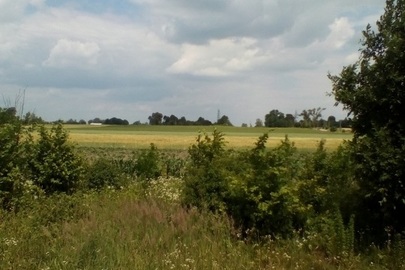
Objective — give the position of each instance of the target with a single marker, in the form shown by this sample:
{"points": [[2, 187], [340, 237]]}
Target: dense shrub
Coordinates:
{"points": [[271, 191], [148, 163], [10, 150], [327, 180], [256, 188], [33, 160], [266, 200], [205, 179], [54, 164], [380, 173], [104, 172]]}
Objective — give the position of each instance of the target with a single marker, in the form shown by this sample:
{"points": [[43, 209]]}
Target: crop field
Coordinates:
{"points": [[181, 137]]}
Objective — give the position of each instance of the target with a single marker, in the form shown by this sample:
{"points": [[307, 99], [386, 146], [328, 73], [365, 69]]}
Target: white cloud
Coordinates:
{"points": [[341, 31], [68, 53], [259, 55], [219, 57]]}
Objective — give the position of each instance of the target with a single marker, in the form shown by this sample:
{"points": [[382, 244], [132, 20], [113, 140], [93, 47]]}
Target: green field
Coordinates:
{"points": [[181, 137]]}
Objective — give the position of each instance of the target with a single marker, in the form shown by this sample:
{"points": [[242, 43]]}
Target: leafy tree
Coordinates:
{"points": [[71, 122], [31, 118], [182, 121], [224, 120], [8, 115], [170, 120], [316, 115], [331, 122], [202, 122], [345, 123], [95, 120], [311, 117], [259, 122], [155, 118], [372, 90], [116, 121], [289, 120], [274, 119], [306, 119]]}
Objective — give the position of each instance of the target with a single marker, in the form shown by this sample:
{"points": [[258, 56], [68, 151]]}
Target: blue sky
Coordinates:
{"points": [[128, 59]]}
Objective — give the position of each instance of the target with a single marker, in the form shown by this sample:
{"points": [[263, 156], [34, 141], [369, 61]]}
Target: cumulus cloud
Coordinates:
{"points": [[219, 57], [341, 32], [68, 53], [183, 57]]}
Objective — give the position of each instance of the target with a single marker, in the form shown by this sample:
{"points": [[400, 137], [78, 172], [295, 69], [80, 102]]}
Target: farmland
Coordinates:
{"points": [[120, 203], [181, 137]]}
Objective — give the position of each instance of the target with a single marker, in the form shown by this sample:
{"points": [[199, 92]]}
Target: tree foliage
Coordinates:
{"points": [[274, 118], [373, 91], [54, 165], [155, 118], [224, 120], [311, 117]]}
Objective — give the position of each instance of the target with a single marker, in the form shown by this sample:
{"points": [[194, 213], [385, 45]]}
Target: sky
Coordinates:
{"points": [[82, 59]]}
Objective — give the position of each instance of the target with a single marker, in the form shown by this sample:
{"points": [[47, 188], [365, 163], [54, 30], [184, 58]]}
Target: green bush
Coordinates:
{"points": [[173, 165], [15, 143], [266, 199], [380, 173], [205, 182], [148, 164], [103, 173], [256, 188], [53, 162], [327, 181]]}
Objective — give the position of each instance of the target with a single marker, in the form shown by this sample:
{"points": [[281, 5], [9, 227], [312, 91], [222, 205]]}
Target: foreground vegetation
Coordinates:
{"points": [[219, 207], [145, 227], [215, 208]]}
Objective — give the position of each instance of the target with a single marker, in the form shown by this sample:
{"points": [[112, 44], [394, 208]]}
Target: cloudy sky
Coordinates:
{"points": [[83, 59]]}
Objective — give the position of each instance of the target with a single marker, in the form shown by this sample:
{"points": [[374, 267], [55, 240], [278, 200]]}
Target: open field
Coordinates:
{"points": [[181, 137]]}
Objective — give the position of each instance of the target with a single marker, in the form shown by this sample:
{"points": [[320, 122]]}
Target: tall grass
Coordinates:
{"points": [[144, 227], [120, 230]]}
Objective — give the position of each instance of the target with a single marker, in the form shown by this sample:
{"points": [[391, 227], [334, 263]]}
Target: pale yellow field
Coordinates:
{"points": [[182, 142]]}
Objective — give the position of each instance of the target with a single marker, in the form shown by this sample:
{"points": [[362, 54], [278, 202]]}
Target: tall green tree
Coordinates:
{"points": [[274, 118], [8, 115], [259, 122], [306, 118], [224, 120], [155, 118], [373, 91]]}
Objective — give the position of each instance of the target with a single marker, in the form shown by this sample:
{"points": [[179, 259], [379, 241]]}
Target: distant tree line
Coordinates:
{"points": [[8, 115], [158, 118], [310, 118], [109, 121]]}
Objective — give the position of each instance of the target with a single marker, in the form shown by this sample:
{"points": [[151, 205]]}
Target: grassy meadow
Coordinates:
{"points": [[143, 223], [181, 137], [147, 228]]}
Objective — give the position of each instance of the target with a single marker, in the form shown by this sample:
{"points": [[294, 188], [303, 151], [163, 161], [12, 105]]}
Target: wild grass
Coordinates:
{"points": [[121, 231], [144, 227]]}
